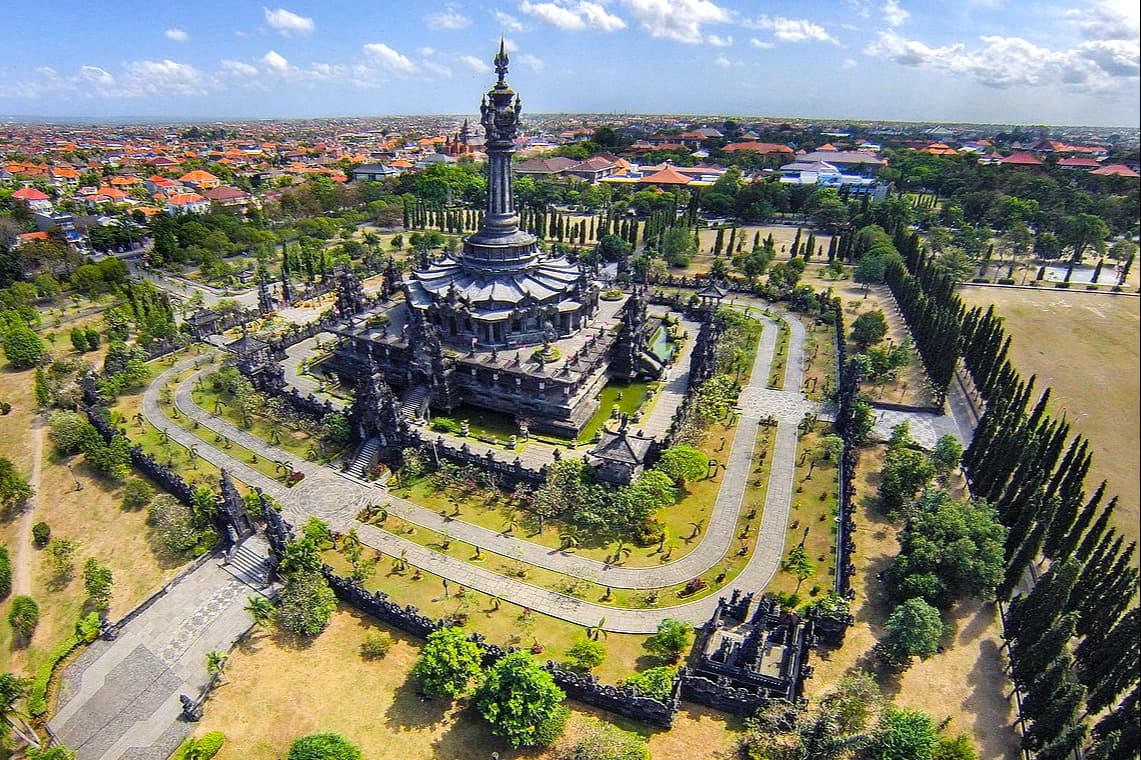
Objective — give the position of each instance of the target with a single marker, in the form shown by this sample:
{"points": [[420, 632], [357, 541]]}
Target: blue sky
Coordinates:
{"points": [[1071, 62]]}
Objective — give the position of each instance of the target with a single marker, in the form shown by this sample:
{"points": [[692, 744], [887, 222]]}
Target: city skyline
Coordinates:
{"points": [[1071, 63]]}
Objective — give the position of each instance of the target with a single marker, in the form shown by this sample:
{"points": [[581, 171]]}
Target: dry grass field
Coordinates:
{"points": [[276, 692], [1085, 346], [92, 517]]}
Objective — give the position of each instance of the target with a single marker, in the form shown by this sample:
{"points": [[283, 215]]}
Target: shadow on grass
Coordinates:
{"points": [[410, 709], [993, 711]]}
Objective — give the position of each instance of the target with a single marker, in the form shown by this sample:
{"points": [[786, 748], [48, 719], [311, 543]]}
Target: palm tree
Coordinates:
{"points": [[568, 539], [260, 609], [401, 563], [697, 528], [593, 631], [512, 523], [216, 663], [164, 437], [192, 453], [12, 690], [621, 550]]}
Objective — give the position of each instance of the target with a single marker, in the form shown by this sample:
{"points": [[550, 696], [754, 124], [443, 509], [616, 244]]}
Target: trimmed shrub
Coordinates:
{"points": [[326, 746], [376, 645], [208, 746], [656, 683], [41, 534], [24, 615], [604, 741], [137, 494]]}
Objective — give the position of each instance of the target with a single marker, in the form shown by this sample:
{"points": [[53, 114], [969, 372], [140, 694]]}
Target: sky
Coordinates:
{"points": [[1072, 62]]}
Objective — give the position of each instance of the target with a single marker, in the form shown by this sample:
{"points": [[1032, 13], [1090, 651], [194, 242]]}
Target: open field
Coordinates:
{"points": [[1086, 347], [964, 683], [277, 691]]}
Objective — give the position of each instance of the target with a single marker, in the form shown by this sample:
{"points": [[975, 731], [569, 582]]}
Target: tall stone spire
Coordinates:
{"points": [[500, 244]]}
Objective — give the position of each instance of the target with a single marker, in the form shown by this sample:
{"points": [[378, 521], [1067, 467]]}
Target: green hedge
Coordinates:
{"points": [[86, 631]]}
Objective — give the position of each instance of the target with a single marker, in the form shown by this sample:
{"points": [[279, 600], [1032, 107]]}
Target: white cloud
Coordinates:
{"points": [[176, 34], [475, 64], [677, 20], [1109, 20], [438, 69], [507, 22], [287, 22], [533, 62], [894, 14], [450, 20], [275, 62], [717, 41], [573, 16], [165, 77], [849, 63], [793, 29], [239, 68], [426, 52], [387, 58], [722, 61], [763, 45], [96, 75], [1002, 62]]}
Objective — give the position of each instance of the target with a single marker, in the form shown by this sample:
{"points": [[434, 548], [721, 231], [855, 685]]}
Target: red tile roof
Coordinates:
{"points": [[1115, 170], [1022, 159]]}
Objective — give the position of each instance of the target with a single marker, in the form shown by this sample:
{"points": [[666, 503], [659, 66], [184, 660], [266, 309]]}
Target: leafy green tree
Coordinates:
{"points": [[14, 489], [912, 630], [448, 663], [261, 609], [947, 454], [58, 752], [24, 615], [23, 348], [955, 748], [5, 573], [949, 550], [516, 697], [98, 581], [307, 604], [137, 494], [1083, 231], [656, 682], [904, 734], [671, 639], [677, 246], [869, 328], [683, 463], [586, 654], [798, 563], [326, 746], [905, 472], [599, 740]]}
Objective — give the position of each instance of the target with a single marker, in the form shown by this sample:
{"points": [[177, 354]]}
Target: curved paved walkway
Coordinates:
{"points": [[336, 498]]}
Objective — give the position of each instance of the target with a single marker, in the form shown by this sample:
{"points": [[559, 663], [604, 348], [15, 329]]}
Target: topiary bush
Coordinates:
{"points": [[24, 616], [41, 534], [327, 746], [376, 645]]}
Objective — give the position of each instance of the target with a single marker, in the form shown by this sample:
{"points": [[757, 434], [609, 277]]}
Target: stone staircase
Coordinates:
{"points": [[249, 562], [415, 403], [364, 458]]}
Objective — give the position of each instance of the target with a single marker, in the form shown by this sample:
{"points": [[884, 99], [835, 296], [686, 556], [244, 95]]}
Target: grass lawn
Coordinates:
{"points": [[814, 507], [581, 585], [277, 691], [820, 351], [1085, 346], [965, 683]]}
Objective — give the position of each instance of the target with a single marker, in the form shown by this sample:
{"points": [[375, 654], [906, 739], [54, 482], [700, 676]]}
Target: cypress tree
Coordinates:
{"points": [[1118, 733], [1027, 661], [1063, 747], [1095, 533], [1070, 541], [757, 239], [1017, 565], [718, 242], [1028, 518], [831, 249], [795, 249], [1058, 715], [1030, 615], [1036, 698], [1108, 667], [732, 240]]}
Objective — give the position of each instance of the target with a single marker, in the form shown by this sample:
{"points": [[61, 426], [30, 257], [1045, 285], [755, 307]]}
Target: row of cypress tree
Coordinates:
{"points": [[1075, 641]]}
